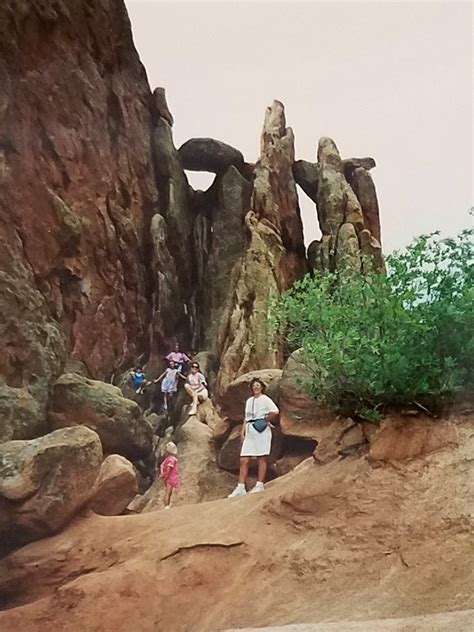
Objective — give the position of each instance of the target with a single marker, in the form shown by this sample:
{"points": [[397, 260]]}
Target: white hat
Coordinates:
{"points": [[171, 448]]}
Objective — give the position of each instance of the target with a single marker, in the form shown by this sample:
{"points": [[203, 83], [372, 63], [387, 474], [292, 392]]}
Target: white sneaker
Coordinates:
{"points": [[192, 412], [259, 487], [238, 491]]}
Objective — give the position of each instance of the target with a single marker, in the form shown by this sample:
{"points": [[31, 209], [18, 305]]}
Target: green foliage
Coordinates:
{"points": [[392, 338]]}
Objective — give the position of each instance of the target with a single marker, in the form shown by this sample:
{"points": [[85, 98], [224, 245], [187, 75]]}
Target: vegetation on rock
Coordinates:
{"points": [[377, 339]]}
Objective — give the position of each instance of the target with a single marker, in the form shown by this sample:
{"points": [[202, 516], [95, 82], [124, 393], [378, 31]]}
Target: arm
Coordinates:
{"points": [[183, 377], [160, 378]]}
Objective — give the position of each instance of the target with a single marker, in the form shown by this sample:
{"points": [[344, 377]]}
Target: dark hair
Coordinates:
{"points": [[256, 380], [195, 365]]}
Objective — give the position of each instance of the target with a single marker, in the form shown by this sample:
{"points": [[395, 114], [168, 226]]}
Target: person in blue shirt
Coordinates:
{"points": [[138, 378]]}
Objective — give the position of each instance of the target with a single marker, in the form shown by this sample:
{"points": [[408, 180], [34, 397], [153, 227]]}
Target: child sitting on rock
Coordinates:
{"points": [[169, 472]]}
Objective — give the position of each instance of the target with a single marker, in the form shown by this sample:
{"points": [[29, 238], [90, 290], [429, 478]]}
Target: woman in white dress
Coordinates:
{"points": [[256, 434]]}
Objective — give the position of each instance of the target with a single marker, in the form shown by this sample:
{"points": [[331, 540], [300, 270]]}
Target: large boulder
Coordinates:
{"points": [[306, 175], [43, 482], [115, 486], [208, 415], [207, 154], [232, 401], [118, 421], [21, 415]]}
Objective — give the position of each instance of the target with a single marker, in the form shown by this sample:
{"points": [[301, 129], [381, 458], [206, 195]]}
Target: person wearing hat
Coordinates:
{"points": [[256, 434], [169, 472]]}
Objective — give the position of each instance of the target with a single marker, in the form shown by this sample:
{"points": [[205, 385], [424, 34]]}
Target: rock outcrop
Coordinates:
{"points": [[115, 486], [119, 422], [21, 415], [75, 131], [273, 259], [43, 483]]}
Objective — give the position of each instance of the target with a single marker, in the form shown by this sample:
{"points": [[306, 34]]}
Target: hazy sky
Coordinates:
{"points": [[388, 80]]}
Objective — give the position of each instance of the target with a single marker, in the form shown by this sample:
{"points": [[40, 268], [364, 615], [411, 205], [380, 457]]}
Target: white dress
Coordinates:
{"points": [[257, 443]]}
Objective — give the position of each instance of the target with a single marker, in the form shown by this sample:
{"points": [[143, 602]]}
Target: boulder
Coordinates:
{"points": [[300, 413], [43, 482], [232, 401], [115, 487], [350, 164], [119, 422], [363, 185], [207, 154], [21, 415], [306, 175], [229, 454], [208, 415], [201, 479]]}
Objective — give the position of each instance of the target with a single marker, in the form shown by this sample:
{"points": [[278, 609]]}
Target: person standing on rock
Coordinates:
{"points": [[196, 387], [178, 357], [169, 472], [260, 412], [169, 385]]}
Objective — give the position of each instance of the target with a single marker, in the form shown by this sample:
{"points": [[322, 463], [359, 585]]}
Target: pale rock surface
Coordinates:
{"points": [[115, 486], [118, 421], [44, 482]]}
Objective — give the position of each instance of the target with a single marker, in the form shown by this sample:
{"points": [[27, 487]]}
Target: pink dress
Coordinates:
{"points": [[169, 471]]}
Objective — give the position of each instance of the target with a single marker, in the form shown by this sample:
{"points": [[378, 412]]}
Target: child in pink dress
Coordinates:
{"points": [[169, 472]]}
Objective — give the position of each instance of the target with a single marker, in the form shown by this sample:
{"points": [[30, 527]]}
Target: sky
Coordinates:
{"points": [[383, 79]]}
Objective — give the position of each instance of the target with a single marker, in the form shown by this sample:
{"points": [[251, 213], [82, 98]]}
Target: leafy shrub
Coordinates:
{"points": [[392, 338]]}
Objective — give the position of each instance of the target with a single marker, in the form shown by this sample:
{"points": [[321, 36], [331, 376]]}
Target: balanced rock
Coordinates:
{"points": [[43, 482], [207, 154], [115, 487], [306, 175], [118, 421], [232, 401]]}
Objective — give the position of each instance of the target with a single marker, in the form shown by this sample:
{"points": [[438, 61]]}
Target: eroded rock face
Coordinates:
{"points": [[77, 190], [115, 486], [43, 482], [207, 154], [21, 416], [119, 422], [273, 259], [347, 209]]}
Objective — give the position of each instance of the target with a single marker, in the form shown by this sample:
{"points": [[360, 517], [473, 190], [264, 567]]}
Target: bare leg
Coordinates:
{"points": [[168, 492], [262, 468], [244, 469]]}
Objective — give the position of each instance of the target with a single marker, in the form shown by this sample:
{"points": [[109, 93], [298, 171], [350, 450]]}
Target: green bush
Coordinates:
{"points": [[392, 338]]}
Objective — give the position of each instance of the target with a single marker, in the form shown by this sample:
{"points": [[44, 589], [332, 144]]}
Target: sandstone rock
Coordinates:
{"points": [[232, 401], [229, 454], [21, 416], [119, 422], [350, 164], [346, 219], [306, 175], [299, 411], [208, 415], [115, 487], [401, 439], [72, 237], [159, 101], [43, 482], [274, 257], [363, 185], [207, 154]]}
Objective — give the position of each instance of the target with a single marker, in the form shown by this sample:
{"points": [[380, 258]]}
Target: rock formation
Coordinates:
{"points": [[207, 154], [115, 486], [44, 481], [119, 422]]}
